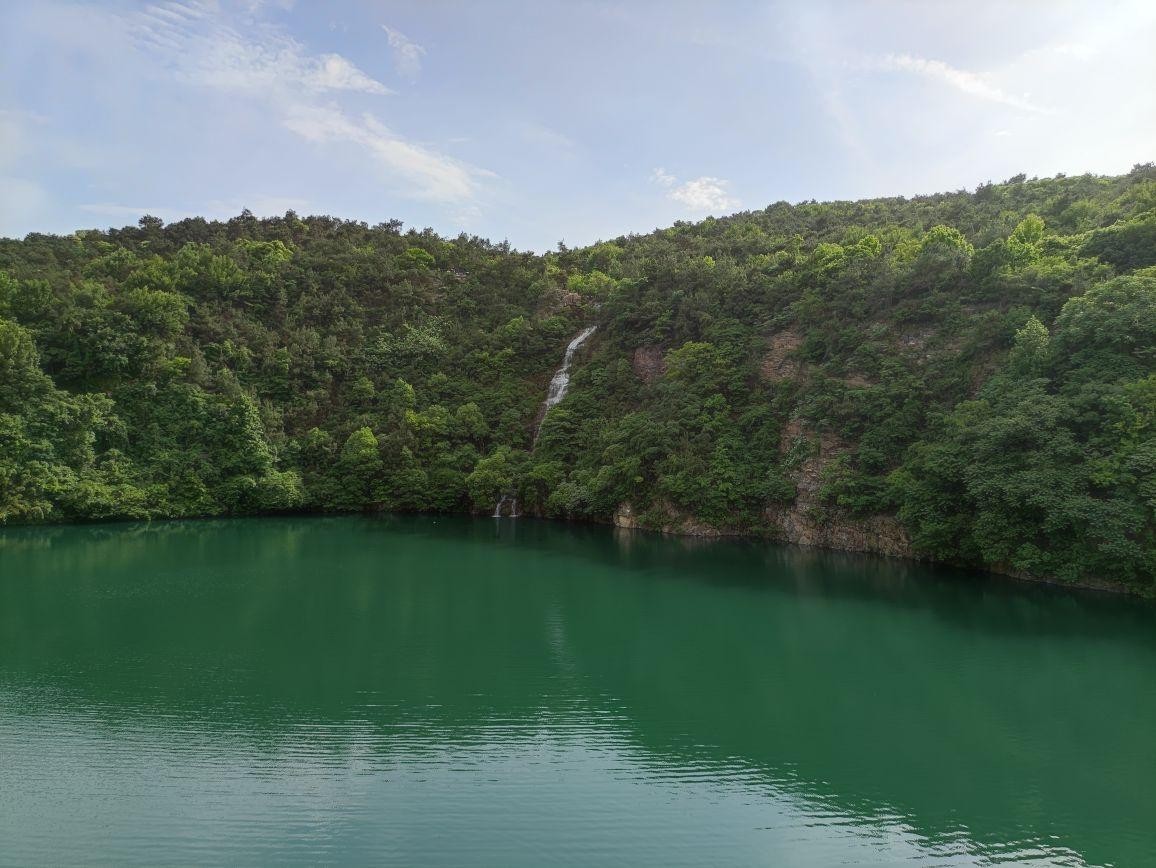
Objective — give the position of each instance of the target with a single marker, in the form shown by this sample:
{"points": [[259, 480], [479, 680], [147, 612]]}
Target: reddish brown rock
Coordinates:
{"points": [[779, 362], [811, 522], [648, 363]]}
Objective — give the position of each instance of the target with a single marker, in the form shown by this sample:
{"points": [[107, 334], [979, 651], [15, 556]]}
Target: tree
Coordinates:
{"points": [[357, 472], [1029, 356], [492, 477]]}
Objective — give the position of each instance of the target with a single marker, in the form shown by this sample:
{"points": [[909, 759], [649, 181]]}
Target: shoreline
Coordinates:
{"points": [[713, 534]]}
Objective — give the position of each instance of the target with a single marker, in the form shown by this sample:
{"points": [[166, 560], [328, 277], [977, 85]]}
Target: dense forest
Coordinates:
{"points": [[968, 377]]}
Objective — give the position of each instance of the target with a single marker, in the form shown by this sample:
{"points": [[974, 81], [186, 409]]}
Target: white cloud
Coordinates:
{"points": [[334, 72], [407, 54], [255, 6], [1035, 103], [433, 175], [202, 49], [971, 83], [703, 195], [663, 178]]}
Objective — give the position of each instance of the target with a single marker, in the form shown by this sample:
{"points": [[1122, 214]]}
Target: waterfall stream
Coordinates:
{"points": [[502, 501], [559, 383]]}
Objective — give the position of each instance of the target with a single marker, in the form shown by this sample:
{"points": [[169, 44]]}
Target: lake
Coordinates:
{"points": [[449, 691]]}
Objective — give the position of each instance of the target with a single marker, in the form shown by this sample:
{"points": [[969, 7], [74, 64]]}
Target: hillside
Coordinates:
{"points": [[968, 377]]}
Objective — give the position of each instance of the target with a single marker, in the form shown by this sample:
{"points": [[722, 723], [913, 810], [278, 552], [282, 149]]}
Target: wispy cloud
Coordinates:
{"points": [[407, 54], [971, 83], [702, 195], [545, 138], [201, 48], [436, 176], [255, 6], [816, 45]]}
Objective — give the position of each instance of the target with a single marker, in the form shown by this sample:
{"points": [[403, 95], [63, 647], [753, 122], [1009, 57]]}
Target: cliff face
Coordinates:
{"points": [[667, 519], [807, 521], [830, 529], [812, 522]]}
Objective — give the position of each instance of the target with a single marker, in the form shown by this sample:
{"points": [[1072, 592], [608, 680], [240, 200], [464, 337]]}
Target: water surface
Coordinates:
{"points": [[449, 691]]}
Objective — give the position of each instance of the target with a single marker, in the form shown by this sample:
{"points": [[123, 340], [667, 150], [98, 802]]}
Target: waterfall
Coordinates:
{"points": [[554, 395], [561, 380], [502, 501]]}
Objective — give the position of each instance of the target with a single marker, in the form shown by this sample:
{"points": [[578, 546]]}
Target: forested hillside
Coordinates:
{"points": [[969, 377]]}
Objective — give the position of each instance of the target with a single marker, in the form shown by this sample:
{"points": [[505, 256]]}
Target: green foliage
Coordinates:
{"points": [[356, 477], [982, 366], [1116, 318], [492, 477], [1029, 354]]}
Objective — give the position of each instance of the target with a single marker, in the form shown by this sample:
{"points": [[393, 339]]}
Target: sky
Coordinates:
{"points": [[542, 122]]}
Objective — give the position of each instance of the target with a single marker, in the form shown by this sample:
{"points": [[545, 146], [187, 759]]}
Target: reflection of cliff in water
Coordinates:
{"points": [[865, 686]]}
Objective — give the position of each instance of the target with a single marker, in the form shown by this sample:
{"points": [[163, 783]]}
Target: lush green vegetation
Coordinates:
{"points": [[980, 365]]}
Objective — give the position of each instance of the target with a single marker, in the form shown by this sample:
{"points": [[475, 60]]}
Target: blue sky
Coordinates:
{"points": [[545, 121]]}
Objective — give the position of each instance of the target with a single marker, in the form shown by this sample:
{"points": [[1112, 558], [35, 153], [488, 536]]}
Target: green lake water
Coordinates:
{"points": [[421, 691]]}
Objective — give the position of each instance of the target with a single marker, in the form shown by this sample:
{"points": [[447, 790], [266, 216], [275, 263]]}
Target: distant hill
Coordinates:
{"points": [[968, 377]]}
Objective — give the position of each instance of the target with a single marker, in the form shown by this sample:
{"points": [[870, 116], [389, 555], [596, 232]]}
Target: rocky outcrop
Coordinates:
{"points": [[809, 520], [624, 517], [556, 300], [779, 361], [648, 363], [832, 529], [665, 518]]}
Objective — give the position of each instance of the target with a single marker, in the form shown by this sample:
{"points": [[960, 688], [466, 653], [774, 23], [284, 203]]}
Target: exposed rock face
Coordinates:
{"points": [[555, 300], [669, 520], [624, 517], [648, 363], [880, 534], [808, 521], [780, 363]]}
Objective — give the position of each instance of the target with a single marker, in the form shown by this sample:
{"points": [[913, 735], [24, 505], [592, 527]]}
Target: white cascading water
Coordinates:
{"points": [[554, 395], [502, 501], [561, 381]]}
